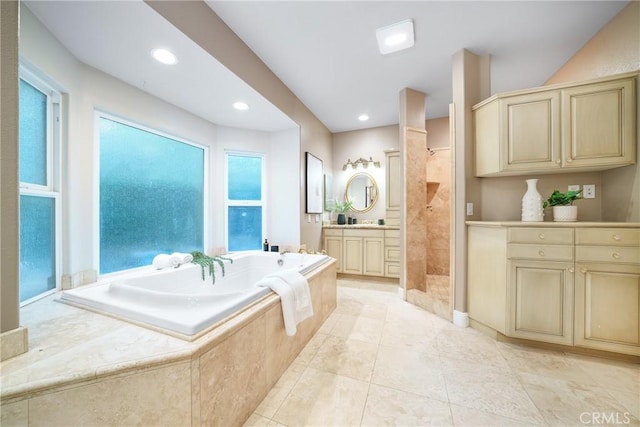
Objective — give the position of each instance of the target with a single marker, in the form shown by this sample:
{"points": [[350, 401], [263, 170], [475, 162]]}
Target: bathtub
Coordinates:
{"points": [[179, 300]]}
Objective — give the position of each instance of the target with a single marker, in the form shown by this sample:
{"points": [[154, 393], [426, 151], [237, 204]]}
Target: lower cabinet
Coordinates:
{"points": [[576, 286], [360, 250], [602, 290], [541, 301]]}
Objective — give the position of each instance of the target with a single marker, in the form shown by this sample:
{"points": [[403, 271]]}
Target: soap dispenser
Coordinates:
{"points": [[265, 246]]}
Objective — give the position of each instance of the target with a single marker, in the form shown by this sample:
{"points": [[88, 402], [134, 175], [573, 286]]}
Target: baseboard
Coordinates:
{"points": [[460, 319], [13, 343]]}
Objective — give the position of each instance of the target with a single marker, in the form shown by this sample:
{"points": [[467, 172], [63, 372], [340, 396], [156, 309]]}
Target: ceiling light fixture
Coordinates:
{"points": [[164, 56], [242, 106], [363, 117], [395, 37]]}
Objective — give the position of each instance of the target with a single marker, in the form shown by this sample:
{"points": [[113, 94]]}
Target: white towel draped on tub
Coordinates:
{"points": [[174, 260], [295, 297]]}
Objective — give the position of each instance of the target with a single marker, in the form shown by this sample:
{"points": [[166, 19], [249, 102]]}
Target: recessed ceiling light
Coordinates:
{"points": [[164, 56], [363, 117], [240, 106], [395, 37]]}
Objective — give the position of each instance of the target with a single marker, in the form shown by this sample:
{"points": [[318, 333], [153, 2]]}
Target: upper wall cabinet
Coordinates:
{"points": [[586, 126]]}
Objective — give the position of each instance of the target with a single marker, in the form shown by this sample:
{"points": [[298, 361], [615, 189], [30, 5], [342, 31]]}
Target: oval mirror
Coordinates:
{"points": [[362, 191]]}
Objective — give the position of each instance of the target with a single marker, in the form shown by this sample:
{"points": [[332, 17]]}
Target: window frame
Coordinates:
{"points": [[52, 188], [98, 114], [262, 203]]}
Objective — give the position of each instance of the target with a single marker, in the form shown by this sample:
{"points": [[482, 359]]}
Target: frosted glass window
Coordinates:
{"points": [[245, 177], [244, 202], [245, 228], [33, 135], [151, 196], [37, 246]]}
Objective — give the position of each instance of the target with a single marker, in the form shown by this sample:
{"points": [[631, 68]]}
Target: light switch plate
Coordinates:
{"points": [[573, 188], [469, 209]]}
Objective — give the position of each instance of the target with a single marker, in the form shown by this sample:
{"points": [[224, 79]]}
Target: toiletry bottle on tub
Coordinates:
{"points": [[265, 246]]}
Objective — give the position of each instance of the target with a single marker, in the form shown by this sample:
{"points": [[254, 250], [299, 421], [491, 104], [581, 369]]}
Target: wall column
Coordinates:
{"points": [[13, 339], [413, 203]]}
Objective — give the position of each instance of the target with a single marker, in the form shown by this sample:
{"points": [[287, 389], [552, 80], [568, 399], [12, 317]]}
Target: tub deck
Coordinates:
{"points": [[84, 368]]}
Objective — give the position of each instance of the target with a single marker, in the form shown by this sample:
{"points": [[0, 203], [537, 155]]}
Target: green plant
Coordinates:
{"points": [[206, 261], [558, 198], [342, 207]]}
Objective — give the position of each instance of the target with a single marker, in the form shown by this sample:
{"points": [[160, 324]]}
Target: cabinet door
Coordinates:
{"points": [[373, 256], [352, 255], [599, 124], [333, 247], [608, 307], [541, 301], [530, 132], [393, 187]]}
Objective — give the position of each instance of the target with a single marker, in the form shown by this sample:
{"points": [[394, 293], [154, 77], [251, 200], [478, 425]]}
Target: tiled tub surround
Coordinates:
{"points": [[88, 369]]}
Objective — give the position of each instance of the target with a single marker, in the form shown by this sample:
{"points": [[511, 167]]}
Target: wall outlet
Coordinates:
{"points": [[469, 209], [573, 188], [589, 191]]}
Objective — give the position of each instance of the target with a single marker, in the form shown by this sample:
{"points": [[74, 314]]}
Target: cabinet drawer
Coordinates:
{"points": [[392, 242], [363, 233], [608, 236], [549, 236], [392, 234], [333, 232], [617, 254], [540, 252], [391, 269], [391, 254]]}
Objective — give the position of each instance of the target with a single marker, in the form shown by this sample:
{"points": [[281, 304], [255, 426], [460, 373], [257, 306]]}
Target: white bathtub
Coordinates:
{"points": [[178, 300]]}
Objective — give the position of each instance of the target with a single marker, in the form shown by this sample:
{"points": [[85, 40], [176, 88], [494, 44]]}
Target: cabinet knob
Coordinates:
{"points": [[616, 255], [616, 237], [569, 160], [558, 162], [541, 236], [541, 253], [583, 270], [571, 270]]}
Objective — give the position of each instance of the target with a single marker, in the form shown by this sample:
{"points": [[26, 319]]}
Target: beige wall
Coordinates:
{"points": [[363, 143], [438, 132], [9, 166]]}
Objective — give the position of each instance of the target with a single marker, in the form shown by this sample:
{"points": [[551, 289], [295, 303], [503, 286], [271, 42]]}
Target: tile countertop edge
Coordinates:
{"points": [[363, 226], [573, 224]]}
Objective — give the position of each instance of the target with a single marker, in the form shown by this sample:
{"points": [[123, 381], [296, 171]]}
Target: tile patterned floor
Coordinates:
{"points": [[379, 361]]}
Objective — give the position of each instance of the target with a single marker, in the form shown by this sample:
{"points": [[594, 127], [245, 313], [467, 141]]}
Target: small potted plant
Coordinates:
{"points": [[341, 208], [562, 203]]}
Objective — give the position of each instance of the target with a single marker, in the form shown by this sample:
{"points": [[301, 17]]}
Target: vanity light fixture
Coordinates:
{"points": [[360, 162], [164, 56], [242, 106], [395, 37]]}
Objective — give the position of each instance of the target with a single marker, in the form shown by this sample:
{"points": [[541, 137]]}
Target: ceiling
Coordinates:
{"points": [[326, 52]]}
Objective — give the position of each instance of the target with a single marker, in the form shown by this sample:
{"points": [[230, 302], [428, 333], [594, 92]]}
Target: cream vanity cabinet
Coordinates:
{"points": [[392, 253], [585, 126], [608, 282], [393, 187], [557, 283], [362, 251]]}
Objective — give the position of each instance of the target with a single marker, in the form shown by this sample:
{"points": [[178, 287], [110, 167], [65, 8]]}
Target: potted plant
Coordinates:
{"points": [[562, 204], [342, 208]]}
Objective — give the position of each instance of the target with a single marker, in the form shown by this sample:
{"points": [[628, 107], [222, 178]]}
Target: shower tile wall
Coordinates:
{"points": [[438, 217]]}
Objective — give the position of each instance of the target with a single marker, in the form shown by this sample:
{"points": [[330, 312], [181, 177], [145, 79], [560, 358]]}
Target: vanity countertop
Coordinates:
{"points": [[552, 224], [362, 226]]}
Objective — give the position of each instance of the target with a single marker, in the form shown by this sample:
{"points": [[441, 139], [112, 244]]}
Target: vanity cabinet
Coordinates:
{"points": [[587, 126], [608, 281], [557, 283], [393, 187], [540, 291], [363, 251]]}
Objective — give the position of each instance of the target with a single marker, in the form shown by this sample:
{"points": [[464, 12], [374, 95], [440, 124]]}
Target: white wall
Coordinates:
{"points": [[88, 89]]}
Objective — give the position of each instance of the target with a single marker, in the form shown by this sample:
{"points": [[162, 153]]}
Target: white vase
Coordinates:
{"points": [[565, 213], [532, 203]]}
